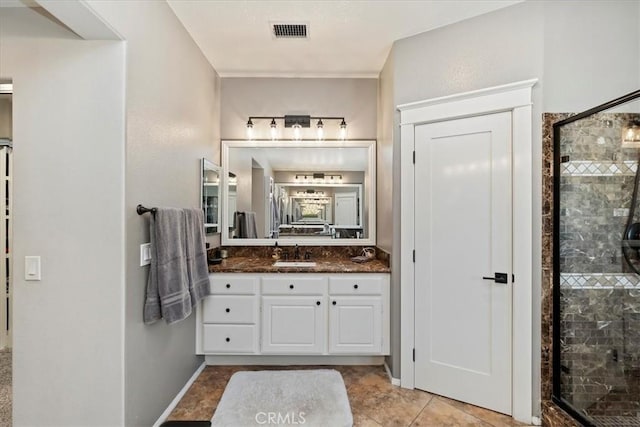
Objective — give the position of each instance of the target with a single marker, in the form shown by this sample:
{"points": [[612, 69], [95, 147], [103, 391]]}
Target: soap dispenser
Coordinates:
{"points": [[276, 252]]}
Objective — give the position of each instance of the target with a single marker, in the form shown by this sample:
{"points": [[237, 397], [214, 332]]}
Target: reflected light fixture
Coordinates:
{"points": [[297, 123], [631, 135], [319, 177], [320, 127]]}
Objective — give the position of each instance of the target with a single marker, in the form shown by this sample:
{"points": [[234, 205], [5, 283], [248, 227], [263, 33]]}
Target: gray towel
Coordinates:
{"points": [[178, 258], [244, 224], [252, 230], [197, 267]]}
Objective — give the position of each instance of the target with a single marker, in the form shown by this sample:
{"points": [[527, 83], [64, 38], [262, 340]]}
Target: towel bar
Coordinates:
{"points": [[142, 210]]}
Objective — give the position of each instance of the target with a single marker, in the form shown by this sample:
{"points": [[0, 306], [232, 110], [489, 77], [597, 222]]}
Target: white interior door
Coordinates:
{"points": [[346, 207], [463, 232]]}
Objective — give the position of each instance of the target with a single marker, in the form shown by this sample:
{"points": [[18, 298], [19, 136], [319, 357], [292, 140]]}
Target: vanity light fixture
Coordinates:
{"points": [[249, 129], [274, 130], [631, 135], [297, 130], [297, 123], [343, 130], [319, 178]]}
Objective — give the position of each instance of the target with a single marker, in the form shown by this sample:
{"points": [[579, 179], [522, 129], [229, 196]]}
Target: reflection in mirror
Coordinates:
{"points": [[210, 185], [305, 192]]}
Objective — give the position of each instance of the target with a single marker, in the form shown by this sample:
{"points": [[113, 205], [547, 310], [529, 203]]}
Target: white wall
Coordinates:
{"points": [[388, 196], [353, 99], [172, 114], [591, 54], [68, 107]]}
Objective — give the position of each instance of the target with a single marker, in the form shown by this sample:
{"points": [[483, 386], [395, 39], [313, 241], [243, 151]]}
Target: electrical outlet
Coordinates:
{"points": [[145, 254]]}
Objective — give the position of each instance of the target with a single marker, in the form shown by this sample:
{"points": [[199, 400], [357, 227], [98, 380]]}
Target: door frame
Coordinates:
{"points": [[514, 98]]}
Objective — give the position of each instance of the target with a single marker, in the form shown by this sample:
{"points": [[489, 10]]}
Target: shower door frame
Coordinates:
{"points": [[556, 395]]}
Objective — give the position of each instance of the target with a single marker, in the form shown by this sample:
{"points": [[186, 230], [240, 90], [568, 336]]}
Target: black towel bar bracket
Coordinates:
{"points": [[142, 210]]}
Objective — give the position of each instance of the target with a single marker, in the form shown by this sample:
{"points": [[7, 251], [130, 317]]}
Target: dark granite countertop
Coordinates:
{"points": [[323, 265]]}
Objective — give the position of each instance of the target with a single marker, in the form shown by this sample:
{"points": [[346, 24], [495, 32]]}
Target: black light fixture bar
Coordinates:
{"points": [[291, 119], [297, 122]]}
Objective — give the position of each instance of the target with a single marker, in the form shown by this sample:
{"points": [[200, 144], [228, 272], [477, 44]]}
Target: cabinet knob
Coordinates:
{"points": [[355, 286], [227, 310], [227, 339], [290, 286], [317, 302], [228, 285], [334, 303]]}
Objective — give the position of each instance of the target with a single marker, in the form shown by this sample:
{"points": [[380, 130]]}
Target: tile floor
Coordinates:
{"points": [[374, 401]]}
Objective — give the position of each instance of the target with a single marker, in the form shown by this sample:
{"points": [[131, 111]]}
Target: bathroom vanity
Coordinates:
{"points": [[334, 309]]}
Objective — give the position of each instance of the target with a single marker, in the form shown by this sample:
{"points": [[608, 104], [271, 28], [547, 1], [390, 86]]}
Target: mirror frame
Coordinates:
{"points": [[369, 192], [206, 164]]}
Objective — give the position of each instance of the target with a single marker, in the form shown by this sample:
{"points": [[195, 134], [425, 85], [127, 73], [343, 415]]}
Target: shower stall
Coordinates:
{"points": [[596, 264]]}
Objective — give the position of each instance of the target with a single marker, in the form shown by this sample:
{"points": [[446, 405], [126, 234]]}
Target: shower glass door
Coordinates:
{"points": [[596, 358]]}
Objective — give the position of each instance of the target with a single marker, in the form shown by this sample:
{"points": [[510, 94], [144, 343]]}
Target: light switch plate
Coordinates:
{"points": [[32, 268], [145, 254]]}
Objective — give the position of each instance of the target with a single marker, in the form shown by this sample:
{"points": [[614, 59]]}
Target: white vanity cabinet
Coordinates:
{"points": [[295, 314], [356, 315], [228, 318]]}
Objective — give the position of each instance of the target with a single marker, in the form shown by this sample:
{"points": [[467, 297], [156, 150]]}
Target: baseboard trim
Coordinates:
{"points": [[292, 360], [394, 381], [179, 396]]}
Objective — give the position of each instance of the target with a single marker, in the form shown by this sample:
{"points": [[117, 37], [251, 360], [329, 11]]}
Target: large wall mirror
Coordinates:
{"points": [[298, 192], [210, 184]]}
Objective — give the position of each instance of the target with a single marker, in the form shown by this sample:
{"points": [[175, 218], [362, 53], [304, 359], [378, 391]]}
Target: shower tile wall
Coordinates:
{"points": [[601, 348], [596, 187], [600, 299]]}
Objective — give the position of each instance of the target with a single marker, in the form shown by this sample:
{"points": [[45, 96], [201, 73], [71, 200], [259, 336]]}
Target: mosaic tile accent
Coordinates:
{"points": [[605, 421], [599, 281], [592, 168]]}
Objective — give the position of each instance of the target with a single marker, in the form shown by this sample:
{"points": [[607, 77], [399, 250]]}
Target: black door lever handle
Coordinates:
{"points": [[498, 278]]}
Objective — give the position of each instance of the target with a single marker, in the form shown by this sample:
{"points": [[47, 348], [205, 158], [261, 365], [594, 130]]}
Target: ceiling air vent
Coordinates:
{"points": [[290, 31]]}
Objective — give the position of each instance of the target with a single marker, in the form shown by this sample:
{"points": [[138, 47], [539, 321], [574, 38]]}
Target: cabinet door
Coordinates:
{"points": [[293, 325], [355, 325]]}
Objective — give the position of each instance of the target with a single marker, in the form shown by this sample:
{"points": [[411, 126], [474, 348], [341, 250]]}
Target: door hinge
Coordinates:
{"points": [[414, 157], [414, 255], [414, 354]]}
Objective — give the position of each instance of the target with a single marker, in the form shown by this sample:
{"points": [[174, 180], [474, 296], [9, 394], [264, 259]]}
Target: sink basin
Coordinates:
{"points": [[294, 264]]}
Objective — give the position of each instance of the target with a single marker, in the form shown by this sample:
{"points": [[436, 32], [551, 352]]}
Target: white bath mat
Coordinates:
{"points": [[310, 398]]}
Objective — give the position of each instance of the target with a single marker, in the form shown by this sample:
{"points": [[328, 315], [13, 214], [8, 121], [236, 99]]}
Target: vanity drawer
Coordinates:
{"points": [[229, 339], [228, 284], [230, 309], [286, 284], [355, 285]]}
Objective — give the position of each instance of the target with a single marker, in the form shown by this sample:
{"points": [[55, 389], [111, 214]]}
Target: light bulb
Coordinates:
{"points": [[296, 131], [343, 130], [249, 129], [320, 126], [274, 130]]}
